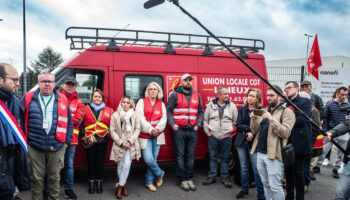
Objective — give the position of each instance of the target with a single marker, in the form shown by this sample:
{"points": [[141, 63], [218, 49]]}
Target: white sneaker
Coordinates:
{"points": [[340, 170], [325, 162]]}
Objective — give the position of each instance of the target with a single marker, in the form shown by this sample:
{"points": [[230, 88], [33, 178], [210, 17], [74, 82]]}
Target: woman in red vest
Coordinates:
{"points": [[153, 120], [96, 122], [125, 130]]}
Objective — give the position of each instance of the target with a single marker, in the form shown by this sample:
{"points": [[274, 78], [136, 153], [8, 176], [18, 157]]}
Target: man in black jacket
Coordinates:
{"points": [[316, 100], [9, 143], [334, 115], [301, 138], [343, 188]]}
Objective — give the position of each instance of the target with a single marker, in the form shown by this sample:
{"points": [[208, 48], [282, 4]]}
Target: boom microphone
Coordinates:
{"points": [[152, 3]]}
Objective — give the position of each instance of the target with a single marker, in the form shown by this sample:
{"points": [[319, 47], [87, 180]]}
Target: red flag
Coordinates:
{"points": [[314, 61]]}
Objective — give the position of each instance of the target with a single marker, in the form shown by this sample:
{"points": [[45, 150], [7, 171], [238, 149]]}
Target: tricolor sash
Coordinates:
{"points": [[9, 119]]}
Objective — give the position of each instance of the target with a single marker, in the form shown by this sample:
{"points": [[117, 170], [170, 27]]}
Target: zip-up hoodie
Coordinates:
{"points": [[219, 128]]}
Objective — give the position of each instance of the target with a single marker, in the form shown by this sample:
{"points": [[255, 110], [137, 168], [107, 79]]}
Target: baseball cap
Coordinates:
{"points": [[183, 77], [305, 83], [70, 79]]}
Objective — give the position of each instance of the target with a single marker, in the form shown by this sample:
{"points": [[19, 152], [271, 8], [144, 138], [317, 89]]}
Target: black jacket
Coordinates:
{"points": [[301, 136], [332, 116], [243, 122]]}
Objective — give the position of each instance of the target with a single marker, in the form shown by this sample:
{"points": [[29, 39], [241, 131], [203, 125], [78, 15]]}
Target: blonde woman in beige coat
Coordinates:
{"points": [[153, 117], [125, 130]]}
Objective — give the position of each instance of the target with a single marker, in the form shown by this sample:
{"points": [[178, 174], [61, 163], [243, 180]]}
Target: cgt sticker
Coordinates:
{"points": [[174, 81]]}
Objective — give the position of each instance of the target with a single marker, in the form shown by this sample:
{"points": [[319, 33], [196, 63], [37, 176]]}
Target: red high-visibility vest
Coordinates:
{"points": [[77, 110], [184, 113], [62, 120], [152, 114], [99, 126]]}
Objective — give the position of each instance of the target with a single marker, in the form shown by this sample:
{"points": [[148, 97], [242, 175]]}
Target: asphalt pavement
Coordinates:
{"points": [[321, 189]]}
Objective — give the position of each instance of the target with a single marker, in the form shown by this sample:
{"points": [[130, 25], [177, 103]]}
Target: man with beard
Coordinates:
{"points": [[301, 138], [10, 142], [271, 128], [185, 116]]}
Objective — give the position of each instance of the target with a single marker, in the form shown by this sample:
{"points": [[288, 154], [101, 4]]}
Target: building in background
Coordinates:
{"points": [[281, 71]]}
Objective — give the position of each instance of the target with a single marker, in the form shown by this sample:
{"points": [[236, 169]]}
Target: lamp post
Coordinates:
{"points": [[24, 49], [307, 47]]}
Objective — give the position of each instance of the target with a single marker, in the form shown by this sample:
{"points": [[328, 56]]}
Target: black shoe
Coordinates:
{"points": [[312, 176], [92, 187], [69, 194], [316, 169], [335, 173], [99, 187], [227, 182], [209, 181], [241, 195]]}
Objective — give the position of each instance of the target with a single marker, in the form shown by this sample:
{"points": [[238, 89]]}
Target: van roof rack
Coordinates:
{"points": [[85, 37]]}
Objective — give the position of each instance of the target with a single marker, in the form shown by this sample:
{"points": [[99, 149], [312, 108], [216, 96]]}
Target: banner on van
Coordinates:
{"points": [[237, 86]]}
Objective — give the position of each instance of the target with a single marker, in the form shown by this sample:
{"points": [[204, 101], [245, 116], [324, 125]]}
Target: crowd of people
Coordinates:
{"points": [[55, 121]]}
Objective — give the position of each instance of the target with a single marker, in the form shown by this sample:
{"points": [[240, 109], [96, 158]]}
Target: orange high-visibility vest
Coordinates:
{"points": [[152, 114], [62, 120], [99, 126], [184, 113]]}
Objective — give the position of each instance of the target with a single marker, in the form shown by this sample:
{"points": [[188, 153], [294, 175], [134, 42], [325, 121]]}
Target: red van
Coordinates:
{"points": [[122, 62]]}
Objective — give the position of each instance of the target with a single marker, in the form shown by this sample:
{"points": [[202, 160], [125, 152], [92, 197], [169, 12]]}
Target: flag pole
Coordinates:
{"points": [[307, 50]]}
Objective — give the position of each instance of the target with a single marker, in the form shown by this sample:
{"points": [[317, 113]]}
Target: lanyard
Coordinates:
{"points": [[45, 105]]}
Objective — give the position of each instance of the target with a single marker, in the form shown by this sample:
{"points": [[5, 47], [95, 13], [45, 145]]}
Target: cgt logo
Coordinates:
{"points": [[335, 72], [157, 112]]}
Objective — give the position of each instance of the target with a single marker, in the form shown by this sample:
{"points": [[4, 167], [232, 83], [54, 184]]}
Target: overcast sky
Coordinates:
{"points": [[280, 24]]}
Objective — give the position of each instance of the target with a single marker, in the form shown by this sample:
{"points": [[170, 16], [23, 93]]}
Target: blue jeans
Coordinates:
{"points": [[222, 148], [184, 141], [270, 172], [244, 157], [150, 154], [343, 188], [68, 167]]}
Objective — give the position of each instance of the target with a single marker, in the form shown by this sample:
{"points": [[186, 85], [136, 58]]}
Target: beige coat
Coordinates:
{"points": [[146, 127], [275, 132], [117, 153], [219, 128]]}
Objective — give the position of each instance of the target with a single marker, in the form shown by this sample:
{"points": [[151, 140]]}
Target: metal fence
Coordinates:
{"points": [[280, 75]]}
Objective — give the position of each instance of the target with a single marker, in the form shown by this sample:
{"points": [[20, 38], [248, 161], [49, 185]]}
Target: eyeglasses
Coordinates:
{"points": [[47, 82], [15, 80], [288, 88], [270, 95]]}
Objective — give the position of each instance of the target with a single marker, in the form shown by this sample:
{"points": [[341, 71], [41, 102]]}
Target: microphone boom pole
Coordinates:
{"points": [[176, 3]]}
